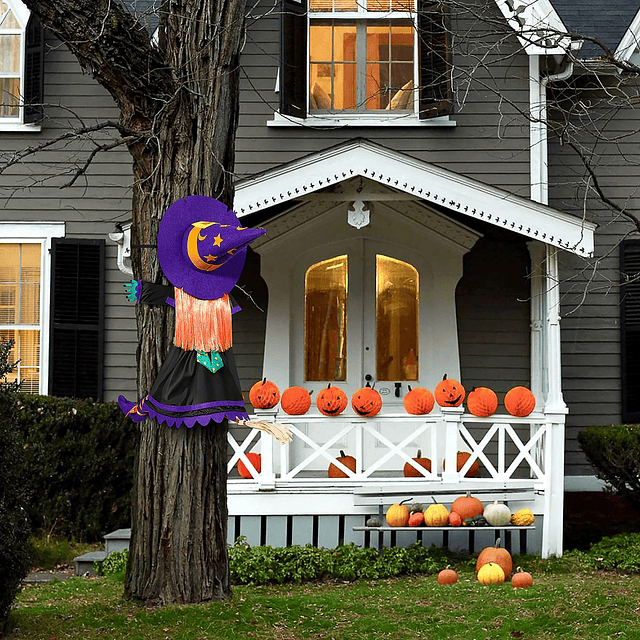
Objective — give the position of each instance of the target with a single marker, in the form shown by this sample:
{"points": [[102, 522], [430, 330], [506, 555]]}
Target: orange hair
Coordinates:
{"points": [[202, 325]]}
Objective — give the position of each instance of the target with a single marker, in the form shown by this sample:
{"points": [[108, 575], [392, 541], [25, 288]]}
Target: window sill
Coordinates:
{"points": [[335, 121], [20, 127]]}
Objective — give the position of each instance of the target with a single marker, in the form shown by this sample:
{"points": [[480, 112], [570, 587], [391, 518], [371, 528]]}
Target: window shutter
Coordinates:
{"points": [[630, 329], [77, 316], [34, 71], [293, 58], [435, 63]]}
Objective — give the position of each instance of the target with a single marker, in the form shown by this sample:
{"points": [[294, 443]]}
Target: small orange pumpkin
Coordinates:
{"points": [[455, 520], [461, 459], [410, 471], [418, 401], [347, 461], [264, 394], [449, 392], [467, 506], [416, 519], [521, 579], [519, 402], [366, 402], [447, 576], [255, 459], [482, 402], [295, 401], [498, 556], [332, 401]]}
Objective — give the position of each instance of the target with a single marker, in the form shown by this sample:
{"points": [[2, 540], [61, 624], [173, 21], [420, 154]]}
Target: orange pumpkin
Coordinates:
{"points": [[366, 402], [416, 519], [398, 514], [418, 401], [467, 506], [482, 402], [410, 471], [455, 520], [447, 576], [498, 556], [255, 459], [295, 401], [461, 459], [519, 402], [347, 461], [332, 401], [449, 392], [521, 579], [264, 394]]}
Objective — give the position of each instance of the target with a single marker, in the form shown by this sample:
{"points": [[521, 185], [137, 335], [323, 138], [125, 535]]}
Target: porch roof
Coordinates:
{"points": [[415, 177]]}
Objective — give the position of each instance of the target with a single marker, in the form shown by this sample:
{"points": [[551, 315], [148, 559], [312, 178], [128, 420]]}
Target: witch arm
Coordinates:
{"points": [[149, 293]]}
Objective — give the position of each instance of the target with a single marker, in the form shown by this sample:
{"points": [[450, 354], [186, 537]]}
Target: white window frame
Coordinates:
{"points": [[41, 233]]}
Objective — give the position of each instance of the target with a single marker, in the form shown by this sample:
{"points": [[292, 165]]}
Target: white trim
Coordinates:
{"points": [[42, 233], [341, 119], [630, 41], [422, 180], [21, 127]]}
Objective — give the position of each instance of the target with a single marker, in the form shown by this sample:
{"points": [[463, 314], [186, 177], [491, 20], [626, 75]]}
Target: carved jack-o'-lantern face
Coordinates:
{"points": [[366, 402], [332, 401], [264, 394], [449, 392]]}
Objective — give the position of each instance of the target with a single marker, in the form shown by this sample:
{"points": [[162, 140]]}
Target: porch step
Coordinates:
{"points": [[114, 541]]}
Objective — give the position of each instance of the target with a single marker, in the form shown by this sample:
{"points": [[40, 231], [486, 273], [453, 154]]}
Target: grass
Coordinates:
{"points": [[49, 552], [565, 602]]}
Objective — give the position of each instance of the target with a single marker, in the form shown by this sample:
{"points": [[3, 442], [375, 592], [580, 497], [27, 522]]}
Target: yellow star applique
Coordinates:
{"points": [[210, 258], [217, 241]]}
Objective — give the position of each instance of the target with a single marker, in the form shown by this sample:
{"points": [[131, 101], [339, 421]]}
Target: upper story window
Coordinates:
{"points": [[377, 58], [21, 66]]}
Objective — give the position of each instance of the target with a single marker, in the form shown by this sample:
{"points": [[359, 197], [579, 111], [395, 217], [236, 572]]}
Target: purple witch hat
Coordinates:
{"points": [[202, 246]]}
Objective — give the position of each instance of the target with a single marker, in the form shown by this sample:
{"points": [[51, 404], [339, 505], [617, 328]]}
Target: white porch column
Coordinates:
{"points": [[537, 319]]}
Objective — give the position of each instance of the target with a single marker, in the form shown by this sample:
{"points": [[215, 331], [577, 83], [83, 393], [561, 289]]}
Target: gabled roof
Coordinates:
{"points": [[425, 181]]}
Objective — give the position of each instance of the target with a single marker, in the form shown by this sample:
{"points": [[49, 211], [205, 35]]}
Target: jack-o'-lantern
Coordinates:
{"points": [[418, 401], [264, 394], [331, 401], [366, 402], [449, 392], [295, 401]]}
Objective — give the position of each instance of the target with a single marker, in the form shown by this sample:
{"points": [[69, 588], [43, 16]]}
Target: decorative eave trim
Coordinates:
{"points": [[420, 179], [629, 43]]}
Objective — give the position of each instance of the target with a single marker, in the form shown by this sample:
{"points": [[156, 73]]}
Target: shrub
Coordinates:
{"points": [[114, 563], [79, 455], [615, 453], [614, 553], [14, 526]]}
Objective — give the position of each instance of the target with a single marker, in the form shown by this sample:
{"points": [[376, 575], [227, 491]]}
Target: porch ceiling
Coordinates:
{"points": [[419, 179]]}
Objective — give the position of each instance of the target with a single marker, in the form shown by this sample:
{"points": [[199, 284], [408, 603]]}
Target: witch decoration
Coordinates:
{"points": [[202, 249]]}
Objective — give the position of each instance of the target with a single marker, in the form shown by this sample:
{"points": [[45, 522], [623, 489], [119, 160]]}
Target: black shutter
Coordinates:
{"points": [[630, 329], [77, 317], [293, 58], [33, 71], [435, 59]]}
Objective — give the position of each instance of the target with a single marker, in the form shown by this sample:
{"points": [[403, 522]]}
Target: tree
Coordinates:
{"points": [[178, 119]]}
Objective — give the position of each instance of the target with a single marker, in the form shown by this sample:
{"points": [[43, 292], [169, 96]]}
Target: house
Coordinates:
{"points": [[428, 212]]}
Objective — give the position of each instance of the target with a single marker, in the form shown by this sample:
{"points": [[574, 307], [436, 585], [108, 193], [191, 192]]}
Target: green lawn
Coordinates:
{"points": [[563, 603]]}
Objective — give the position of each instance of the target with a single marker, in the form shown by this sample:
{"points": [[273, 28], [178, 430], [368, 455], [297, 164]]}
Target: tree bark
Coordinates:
{"points": [[180, 103]]}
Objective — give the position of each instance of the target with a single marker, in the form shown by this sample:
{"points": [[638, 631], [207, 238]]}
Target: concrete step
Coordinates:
{"points": [[114, 541], [84, 563]]}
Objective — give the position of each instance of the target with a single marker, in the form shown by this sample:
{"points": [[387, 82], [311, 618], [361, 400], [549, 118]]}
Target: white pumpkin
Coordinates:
{"points": [[497, 514]]}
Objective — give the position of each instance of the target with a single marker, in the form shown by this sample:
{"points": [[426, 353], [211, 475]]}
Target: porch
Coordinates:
{"points": [[292, 501]]}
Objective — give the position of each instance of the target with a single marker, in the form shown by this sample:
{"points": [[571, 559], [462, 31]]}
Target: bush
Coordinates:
{"points": [[79, 455], [615, 553], [14, 525], [115, 563], [615, 453]]}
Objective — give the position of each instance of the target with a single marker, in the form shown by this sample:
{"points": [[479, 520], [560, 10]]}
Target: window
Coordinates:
{"points": [[21, 65], [364, 59]]}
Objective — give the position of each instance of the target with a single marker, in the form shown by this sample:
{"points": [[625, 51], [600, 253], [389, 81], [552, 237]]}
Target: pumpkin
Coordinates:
{"points": [[523, 518], [497, 514], [436, 515], [255, 459], [449, 392], [467, 506], [496, 555], [331, 401], [410, 471], [521, 579], [482, 402], [418, 401], [447, 576], [416, 519], [398, 515], [366, 402], [295, 401], [519, 402], [461, 459], [455, 519], [264, 394], [491, 573], [347, 461]]}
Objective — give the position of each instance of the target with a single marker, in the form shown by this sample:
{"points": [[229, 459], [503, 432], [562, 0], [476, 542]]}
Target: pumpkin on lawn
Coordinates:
{"points": [[348, 461], [447, 576], [482, 402], [264, 394], [519, 402], [410, 471], [366, 402], [295, 401], [521, 579], [398, 515], [461, 459], [496, 555], [255, 459], [449, 392], [467, 506], [331, 401], [491, 573], [418, 401]]}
